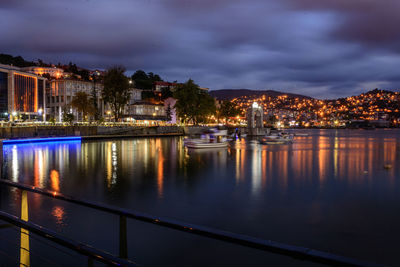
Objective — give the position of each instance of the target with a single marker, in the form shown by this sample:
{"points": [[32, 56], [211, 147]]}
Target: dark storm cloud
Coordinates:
{"points": [[320, 48], [369, 22]]}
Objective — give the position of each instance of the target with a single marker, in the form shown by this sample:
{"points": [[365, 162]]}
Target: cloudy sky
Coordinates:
{"points": [[321, 48]]}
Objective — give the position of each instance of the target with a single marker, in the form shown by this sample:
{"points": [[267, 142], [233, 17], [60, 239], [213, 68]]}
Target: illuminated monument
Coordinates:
{"points": [[21, 94], [255, 120]]}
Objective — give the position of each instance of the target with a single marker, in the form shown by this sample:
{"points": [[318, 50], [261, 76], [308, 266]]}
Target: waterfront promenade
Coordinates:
{"points": [[92, 132]]}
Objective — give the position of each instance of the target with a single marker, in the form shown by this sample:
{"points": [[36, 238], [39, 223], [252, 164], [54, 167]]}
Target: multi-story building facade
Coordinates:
{"points": [[146, 111], [143, 111], [60, 93], [159, 86], [21, 94]]}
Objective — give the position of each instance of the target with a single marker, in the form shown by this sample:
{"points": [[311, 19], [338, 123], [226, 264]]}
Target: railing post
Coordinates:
{"points": [[24, 247], [123, 241]]}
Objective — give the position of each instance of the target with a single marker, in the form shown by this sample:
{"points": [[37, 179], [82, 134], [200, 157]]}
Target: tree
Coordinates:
{"points": [[228, 109], [94, 100], [139, 75], [145, 81], [168, 112], [84, 74], [193, 104], [142, 80], [166, 92], [72, 68], [146, 95], [116, 90], [52, 120], [16, 61], [67, 115], [82, 103]]}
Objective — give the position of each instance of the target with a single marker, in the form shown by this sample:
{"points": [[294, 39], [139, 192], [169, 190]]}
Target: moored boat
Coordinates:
{"points": [[211, 139], [279, 139], [205, 144], [301, 134]]}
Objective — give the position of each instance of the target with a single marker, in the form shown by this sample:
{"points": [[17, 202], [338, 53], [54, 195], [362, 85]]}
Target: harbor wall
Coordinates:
{"points": [[58, 131]]}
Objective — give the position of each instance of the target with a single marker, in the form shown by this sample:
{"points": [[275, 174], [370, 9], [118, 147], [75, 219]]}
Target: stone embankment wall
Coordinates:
{"points": [[52, 131]]}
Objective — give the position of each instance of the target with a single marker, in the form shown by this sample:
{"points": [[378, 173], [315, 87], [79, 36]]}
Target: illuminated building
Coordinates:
{"points": [[52, 71], [97, 73], [146, 111], [21, 94], [60, 93], [159, 86]]}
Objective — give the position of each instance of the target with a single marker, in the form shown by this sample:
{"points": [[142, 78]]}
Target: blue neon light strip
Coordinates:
{"points": [[41, 140]]}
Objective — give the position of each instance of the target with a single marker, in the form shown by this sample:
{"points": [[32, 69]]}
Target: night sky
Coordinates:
{"points": [[321, 48]]}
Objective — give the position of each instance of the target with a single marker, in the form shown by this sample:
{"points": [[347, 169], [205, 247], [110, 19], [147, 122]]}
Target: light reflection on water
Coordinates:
{"points": [[321, 185]]}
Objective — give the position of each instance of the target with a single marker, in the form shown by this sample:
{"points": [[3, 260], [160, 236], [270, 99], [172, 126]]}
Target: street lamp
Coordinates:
{"points": [[40, 111]]}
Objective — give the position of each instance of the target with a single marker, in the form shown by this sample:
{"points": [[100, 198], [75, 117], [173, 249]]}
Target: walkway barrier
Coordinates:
{"points": [[92, 253], [296, 252]]}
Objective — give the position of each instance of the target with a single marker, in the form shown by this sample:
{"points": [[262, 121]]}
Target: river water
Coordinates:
{"points": [[334, 190]]}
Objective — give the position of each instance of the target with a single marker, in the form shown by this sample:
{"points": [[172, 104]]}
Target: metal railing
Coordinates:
{"points": [[296, 252], [93, 254]]}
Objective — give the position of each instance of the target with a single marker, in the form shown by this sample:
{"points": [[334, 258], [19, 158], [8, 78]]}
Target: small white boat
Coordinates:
{"points": [[204, 144], [275, 142], [301, 134], [212, 139], [278, 139], [272, 136]]}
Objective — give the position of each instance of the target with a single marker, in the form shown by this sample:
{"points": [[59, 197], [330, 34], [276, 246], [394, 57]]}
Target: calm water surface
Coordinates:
{"points": [[329, 191]]}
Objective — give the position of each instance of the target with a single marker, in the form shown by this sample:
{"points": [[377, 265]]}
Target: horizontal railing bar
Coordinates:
{"points": [[78, 247], [296, 252]]}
